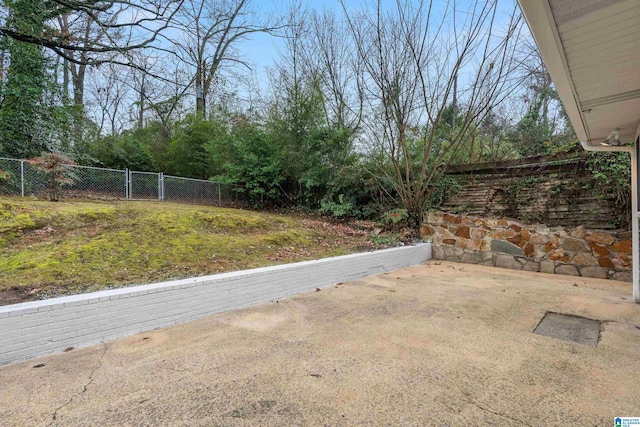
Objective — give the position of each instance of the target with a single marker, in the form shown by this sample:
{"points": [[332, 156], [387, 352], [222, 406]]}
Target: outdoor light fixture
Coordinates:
{"points": [[612, 139]]}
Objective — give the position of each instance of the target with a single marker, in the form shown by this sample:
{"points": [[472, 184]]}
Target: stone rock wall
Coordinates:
{"points": [[555, 190], [509, 243]]}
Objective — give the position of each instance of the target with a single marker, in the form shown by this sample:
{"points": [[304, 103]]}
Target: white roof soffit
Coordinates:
{"points": [[592, 51]]}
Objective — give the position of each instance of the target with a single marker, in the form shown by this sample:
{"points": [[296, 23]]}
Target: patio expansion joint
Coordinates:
{"points": [[84, 388]]}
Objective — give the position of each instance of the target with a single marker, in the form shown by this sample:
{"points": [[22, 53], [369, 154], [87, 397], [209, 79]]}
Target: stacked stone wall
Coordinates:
{"points": [[511, 244], [554, 190]]}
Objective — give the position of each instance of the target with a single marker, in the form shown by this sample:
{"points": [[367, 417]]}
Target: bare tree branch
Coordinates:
{"points": [[210, 32], [124, 25], [425, 61]]}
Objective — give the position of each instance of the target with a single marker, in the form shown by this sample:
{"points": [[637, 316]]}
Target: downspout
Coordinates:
{"points": [[634, 210]]}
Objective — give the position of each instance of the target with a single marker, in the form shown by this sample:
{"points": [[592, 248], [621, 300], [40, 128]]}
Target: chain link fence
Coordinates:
{"points": [[102, 183], [96, 183], [145, 186]]}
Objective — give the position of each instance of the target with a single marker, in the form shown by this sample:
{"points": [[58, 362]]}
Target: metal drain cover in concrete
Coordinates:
{"points": [[569, 328]]}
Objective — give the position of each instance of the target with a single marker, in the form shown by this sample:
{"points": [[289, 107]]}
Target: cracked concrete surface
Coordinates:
{"points": [[84, 388], [436, 344]]}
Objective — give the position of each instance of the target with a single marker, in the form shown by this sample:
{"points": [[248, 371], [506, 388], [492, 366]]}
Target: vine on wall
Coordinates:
{"points": [[518, 201], [611, 182], [588, 188]]}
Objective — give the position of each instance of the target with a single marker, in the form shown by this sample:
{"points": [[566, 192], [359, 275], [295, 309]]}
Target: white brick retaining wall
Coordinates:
{"points": [[42, 327]]}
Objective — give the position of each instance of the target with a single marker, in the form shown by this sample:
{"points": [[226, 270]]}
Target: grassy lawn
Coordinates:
{"points": [[73, 246]]}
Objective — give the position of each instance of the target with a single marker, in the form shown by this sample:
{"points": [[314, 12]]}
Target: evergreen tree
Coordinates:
{"points": [[21, 128]]}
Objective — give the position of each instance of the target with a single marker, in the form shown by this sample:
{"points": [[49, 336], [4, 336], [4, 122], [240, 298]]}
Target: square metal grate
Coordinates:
{"points": [[569, 328]]}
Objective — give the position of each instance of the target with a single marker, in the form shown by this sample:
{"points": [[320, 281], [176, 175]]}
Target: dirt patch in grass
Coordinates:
{"points": [[52, 249], [16, 296]]}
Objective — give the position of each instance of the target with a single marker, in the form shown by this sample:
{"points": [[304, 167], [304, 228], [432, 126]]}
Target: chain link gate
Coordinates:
{"points": [[145, 186]]}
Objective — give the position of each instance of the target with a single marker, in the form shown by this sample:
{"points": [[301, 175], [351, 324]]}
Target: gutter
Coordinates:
{"points": [[634, 209]]}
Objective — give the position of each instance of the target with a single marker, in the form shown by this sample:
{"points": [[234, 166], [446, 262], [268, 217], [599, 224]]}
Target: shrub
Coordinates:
{"points": [[384, 239], [395, 218], [4, 176], [340, 209], [611, 182], [55, 167], [354, 193], [250, 161]]}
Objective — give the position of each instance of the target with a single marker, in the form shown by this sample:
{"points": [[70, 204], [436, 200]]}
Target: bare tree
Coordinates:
{"points": [[88, 34], [318, 54], [541, 94], [329, 55], [412, 55], [294, 68], [210, 33], [125, 25], [158, 99], [75, 65], [111, 92]]}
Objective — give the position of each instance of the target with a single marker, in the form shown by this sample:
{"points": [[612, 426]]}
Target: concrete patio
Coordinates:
{"points": [[436, 344]]}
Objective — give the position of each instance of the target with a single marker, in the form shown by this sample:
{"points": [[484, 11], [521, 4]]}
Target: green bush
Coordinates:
{"points": [[611, 182], [353, 193], [122, 152], [394, 218], [339, 209], [444, 188], [189, 151], [4, 176], [250, 161], [384, 239]]}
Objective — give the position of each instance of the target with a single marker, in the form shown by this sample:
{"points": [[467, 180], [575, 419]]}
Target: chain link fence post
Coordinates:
{"points": [[22, 178], [160, 186], [126, 184]]}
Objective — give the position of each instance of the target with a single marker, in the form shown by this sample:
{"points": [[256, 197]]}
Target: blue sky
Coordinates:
{"points": [[262, 50]]}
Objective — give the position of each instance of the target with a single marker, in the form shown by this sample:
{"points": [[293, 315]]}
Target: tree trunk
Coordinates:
{"points": [[141, 105], [200, 104], [78, 86], [65, 81], [455, 102]]}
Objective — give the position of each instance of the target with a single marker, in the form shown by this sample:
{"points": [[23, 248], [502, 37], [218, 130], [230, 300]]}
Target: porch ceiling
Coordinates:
{"points": [[592, 50]]}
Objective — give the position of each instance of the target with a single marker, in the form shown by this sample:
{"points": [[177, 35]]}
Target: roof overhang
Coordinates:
{"points": [[592, 51]]}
